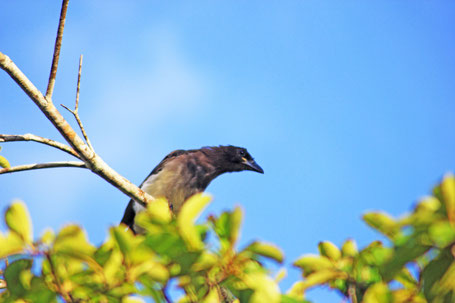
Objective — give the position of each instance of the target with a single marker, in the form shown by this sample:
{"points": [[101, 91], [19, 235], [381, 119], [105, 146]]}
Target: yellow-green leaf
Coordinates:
{"points": [[132, 300], [212, 296], [18, 221], [448, 193], [378, 293], [10, 244], [329, 250], [265, 289], [186, 218], [310, 263], [382, 222], [321, 277], [236, 221], [48, 237], [4, 163], [349, 248], [72, 241], [266, 250]]}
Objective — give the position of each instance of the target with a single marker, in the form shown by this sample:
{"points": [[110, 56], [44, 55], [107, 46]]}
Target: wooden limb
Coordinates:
{"points": [[42, 165], [91, 159], [57, 47], [75, 112], [46, 141]]}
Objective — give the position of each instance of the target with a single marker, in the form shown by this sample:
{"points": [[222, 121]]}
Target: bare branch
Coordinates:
{"points": [[42, 165], [91, 159], [46, 141], [57, 47], [75, 112]]}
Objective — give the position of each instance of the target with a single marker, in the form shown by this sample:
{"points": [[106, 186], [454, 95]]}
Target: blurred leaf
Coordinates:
{"points": [[132, 300], [321, 277], [236, 221], [406, 279], [48, 237], [296, 291], [403, 254], [266, 250], [157, 212], [71, 241], [310, 263], [265, 289], [212, 296], [125, 240], [13, 276], [329, 250], [434, 271], [282, 273], [185, 221], [18, 220], [10, 244], [205, 261], [378, 293], [442, 233], [349, 248], [4, 163], [383, 223], [448, 193]]}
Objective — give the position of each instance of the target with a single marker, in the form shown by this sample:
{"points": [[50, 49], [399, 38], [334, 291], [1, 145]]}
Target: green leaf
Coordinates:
{"points": [[18, 221], [329, 250], [403, 254], [383, 223], [442, 233], [4, 163], [124, 239], [448, 194], [266, 250], [13, 276], [187, 217], [310, 263], [434, 271]]}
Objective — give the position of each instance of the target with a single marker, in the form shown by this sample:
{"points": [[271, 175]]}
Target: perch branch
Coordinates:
{"points": [[57, 47], [75, 112], [91, 159], [42, 165], [46, 141]]}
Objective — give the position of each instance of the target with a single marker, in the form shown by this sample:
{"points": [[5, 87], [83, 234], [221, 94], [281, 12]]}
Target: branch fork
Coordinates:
{"points": [[77, 147]]}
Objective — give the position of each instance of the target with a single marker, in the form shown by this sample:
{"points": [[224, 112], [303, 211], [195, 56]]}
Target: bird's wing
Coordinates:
{"points": [[128, 216]]}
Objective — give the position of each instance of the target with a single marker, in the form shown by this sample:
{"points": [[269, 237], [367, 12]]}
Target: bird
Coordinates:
{"points": [[183, 173]]}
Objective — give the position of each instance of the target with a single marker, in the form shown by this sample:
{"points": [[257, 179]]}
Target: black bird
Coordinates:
{"points": [[184, 173]]}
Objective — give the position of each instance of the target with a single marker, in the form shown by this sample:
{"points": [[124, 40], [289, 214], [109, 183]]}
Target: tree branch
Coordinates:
{"points": [[75, 112], [91, 159], [46, 141], [42, 165], [57, 47]]}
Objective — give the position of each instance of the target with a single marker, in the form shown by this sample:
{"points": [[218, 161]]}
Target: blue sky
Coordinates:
{"points": [[348, 106]]}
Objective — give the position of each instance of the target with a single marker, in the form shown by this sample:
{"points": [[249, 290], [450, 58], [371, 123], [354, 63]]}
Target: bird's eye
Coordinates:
{"points": [[242, 153]]}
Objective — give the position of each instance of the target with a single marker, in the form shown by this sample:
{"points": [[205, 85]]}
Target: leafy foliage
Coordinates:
{"points": [[415, 265]]}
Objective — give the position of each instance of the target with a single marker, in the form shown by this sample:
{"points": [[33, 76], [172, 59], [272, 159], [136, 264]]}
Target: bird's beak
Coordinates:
{"points": [[252, 165]]}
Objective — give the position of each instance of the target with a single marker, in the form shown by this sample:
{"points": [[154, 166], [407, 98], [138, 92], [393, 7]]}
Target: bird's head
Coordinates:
{"points": [[235, 158]]}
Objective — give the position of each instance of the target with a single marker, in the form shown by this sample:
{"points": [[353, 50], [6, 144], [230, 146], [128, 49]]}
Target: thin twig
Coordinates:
{"points": [[75, 112], [46, 141], [57, 47], [352, 293], [42, 165]]}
